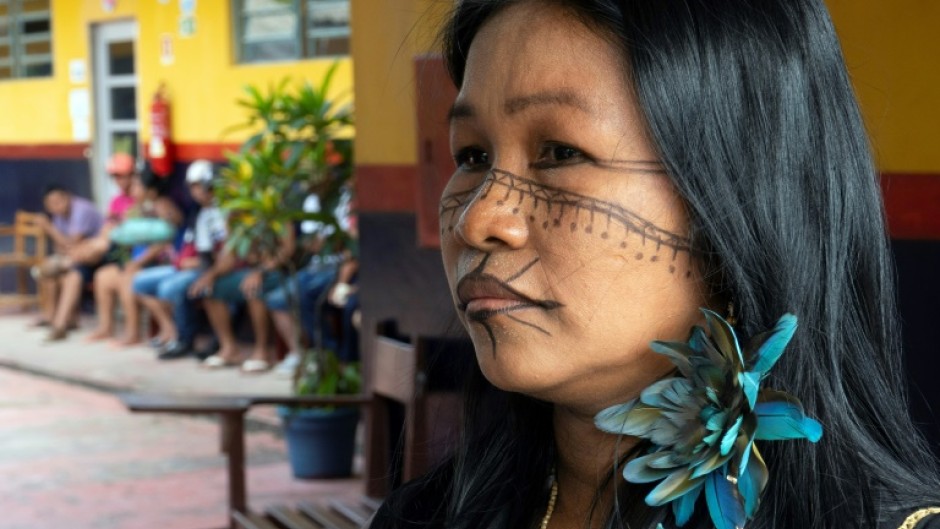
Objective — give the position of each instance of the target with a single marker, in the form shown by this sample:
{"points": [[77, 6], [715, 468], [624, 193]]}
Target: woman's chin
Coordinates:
{"points": [[519, 370]]}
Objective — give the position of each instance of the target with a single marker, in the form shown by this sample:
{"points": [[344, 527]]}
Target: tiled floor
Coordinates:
{"points": [[74, 457]]}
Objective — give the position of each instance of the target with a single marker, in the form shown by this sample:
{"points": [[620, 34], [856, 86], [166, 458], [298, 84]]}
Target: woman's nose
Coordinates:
{"points": [[494, 218]]}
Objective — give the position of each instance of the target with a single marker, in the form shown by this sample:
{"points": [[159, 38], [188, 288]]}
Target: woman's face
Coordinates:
{"points": [[123, 182], [565, 244], [137, 189]]}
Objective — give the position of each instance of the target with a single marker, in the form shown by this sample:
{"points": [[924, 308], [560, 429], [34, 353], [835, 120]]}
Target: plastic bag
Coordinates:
{"points": [[143, 231]]}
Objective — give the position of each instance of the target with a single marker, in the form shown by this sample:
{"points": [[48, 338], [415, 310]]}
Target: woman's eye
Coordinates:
{"points": [[472, 159], [556, 155]]}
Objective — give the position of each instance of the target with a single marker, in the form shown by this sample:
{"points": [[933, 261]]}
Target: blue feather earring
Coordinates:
{"points": [[703, 425]]}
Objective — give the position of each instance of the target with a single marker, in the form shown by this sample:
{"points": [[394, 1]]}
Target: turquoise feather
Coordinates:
{"points": [[638, 471], [684, 506], [752, 480], [613, 419], [783, 420], [703, 424], [750, 381], [723, 336], [723, 505], [728, 440], [677, 484], [773, 344]]}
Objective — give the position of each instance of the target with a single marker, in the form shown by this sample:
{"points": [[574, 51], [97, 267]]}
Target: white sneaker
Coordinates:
{"points": [[287, 366]]}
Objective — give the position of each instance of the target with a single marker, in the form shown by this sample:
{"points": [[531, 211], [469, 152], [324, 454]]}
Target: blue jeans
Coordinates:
{"points": [[170, 285], [308, 285], [148, 280], [349, 346]]}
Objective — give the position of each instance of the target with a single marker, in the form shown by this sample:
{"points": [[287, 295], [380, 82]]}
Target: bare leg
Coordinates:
{"points": [[125, 291], [285, 328], [106, 279], [163, 314], [221, 322], [67, 303], [48, 288], [259, 322]]}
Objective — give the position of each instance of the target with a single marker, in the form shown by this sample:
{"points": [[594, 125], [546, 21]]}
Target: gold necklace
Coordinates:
{"points": [[551, 505], [909, 523]]}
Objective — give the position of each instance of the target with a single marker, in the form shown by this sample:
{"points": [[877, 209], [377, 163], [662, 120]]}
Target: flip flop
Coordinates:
{"points": [[255, 366], [217, 362]]}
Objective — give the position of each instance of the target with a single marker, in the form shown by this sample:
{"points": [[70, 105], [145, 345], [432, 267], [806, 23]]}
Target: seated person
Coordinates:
{"points": [[163, 289], [83, 258], [342, 300], [73, 219], [134, 252], [228, 284], [308, 285], [344, 297]]}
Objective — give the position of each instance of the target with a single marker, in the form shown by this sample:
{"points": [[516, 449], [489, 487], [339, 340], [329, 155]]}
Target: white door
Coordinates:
{"points": [[116, 101]]}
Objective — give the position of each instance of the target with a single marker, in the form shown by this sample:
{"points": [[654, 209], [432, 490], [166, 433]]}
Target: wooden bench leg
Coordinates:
{"points": [[233, 440]]}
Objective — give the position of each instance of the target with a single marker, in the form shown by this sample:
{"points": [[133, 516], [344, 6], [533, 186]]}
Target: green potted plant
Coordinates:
{"points": [[295, 150]]}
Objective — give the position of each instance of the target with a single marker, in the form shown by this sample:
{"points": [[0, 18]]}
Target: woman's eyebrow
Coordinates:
{"points": [[551, 97], [514, 105]]}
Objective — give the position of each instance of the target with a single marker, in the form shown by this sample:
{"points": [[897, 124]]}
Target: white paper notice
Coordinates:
{"points": [[79, 103], [80, 113], [77, 71], [166, 49], [81, 129]]}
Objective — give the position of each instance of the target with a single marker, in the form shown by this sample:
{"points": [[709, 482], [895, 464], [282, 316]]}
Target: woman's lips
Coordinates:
{"points": [[482, 296], [494, 305]]}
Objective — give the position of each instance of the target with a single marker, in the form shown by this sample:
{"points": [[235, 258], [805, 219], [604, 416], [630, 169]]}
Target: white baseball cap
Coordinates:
{"points": [[199, 172]]}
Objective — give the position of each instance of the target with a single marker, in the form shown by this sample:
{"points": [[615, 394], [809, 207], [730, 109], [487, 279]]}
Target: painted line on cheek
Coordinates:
{"points": [[534, 326], [525, 269], [479, 267], [489, 331]]}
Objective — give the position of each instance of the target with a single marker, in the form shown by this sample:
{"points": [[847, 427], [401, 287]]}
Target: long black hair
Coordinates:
{"points": [[754, 117]]}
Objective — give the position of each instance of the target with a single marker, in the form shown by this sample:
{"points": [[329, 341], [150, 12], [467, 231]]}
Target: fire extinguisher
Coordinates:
{"points": [[161, 150]]}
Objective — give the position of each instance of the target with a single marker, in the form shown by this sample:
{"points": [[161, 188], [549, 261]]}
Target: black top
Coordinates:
{"points": [[417, 506]]}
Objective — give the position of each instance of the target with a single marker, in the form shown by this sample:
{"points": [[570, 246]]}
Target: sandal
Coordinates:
{"points": [[217, 362], [255, 366]]}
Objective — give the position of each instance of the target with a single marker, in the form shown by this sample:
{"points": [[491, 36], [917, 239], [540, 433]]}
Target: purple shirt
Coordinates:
{"points": [[83, 219]]}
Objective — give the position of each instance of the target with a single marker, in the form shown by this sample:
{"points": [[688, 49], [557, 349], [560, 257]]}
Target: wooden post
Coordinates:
{"points": [[233, 424]]}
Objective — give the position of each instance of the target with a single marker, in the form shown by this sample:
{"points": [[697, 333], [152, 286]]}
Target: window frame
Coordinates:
{"points": [[16, 40], [300, 37]]}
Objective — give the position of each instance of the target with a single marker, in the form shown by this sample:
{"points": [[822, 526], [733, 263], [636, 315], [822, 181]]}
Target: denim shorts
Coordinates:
{"points": [[228, 287]]}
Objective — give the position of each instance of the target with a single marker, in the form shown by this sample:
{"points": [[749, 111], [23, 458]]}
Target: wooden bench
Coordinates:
{"points": [[332, 514], [231, 413], [398, 384]]}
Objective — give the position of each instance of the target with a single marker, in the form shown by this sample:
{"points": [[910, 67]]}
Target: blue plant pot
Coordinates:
{"points": [[320, 444]]}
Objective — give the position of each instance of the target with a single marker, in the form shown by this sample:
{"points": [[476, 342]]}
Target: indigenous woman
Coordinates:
{"points": [[628, 171]]}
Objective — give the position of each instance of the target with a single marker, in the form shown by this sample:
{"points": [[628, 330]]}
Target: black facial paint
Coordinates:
{"points": [[556, 202]]}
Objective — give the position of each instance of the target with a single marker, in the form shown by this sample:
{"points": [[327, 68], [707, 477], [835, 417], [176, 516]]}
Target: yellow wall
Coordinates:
{"points": [[203, 82], [893, 54], [891, 48], [387, 34]]}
